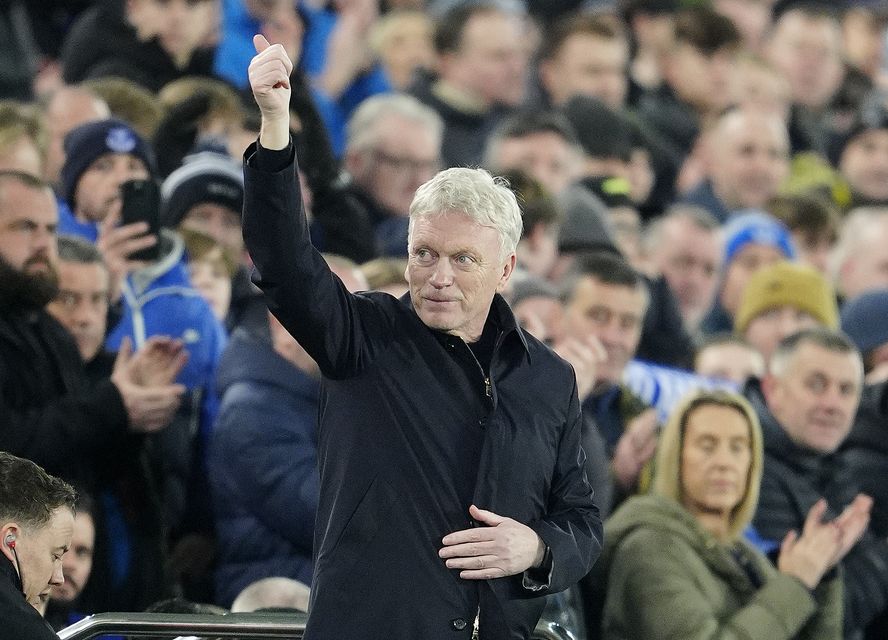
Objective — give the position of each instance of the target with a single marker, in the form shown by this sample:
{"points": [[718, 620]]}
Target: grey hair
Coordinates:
{"points": [[361, 132], [698, 216], [485, 199], [853, 230], [828, 339]]}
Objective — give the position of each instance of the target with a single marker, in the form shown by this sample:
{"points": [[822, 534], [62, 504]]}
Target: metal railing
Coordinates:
{"points": [[233, 625], [172, 625]]}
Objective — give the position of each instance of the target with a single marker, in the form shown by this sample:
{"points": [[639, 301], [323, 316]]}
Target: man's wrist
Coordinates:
{"points": [[274, 133], [541, 554]]}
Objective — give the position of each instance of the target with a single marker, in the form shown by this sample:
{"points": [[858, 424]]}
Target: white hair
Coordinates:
{"points": [[483, 198], [270, 593], [851, 234]]}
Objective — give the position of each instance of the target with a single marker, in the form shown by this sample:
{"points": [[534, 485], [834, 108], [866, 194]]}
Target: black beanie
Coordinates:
{"points": [[203, 177], [84, 144]]}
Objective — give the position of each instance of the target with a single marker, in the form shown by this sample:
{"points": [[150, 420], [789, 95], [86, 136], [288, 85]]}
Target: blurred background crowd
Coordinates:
{"points": [[704, 187]]}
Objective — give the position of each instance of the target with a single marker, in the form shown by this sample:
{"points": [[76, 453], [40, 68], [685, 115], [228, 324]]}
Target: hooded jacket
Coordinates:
{"points": [[668, 578]]}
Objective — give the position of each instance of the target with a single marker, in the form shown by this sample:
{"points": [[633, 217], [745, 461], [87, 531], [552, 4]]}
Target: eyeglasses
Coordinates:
{"points": [[405, 163]]}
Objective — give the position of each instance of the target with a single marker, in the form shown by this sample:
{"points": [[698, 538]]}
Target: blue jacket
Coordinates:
{"points": [[410, 434], [263, 467], [159, 300]]}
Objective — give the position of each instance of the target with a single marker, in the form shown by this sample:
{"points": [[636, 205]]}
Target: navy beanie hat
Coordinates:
{"points": [[203, 177], [87, 142]]}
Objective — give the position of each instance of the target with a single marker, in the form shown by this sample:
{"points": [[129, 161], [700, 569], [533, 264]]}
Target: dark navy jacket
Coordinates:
{"points": [[398, 404], [263, 467]]}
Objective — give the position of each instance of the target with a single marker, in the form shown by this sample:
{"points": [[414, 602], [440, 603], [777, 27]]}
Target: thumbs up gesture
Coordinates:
{"points": [[269, 74]]}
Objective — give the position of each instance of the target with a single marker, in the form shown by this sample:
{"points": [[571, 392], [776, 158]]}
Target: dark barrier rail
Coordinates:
{"points": [[246, 626]]}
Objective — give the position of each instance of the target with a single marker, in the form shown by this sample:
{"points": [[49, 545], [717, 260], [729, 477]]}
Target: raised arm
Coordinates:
{"points": [[339, 330]]}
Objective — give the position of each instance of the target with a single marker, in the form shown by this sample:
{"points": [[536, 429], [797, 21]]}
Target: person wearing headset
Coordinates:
{"points": [[36, 525]]}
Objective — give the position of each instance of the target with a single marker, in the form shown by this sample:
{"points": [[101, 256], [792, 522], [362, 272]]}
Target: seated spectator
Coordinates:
{"points": [[540, 143], [805, 45], [675, 563], [685, 247], [604, 305], [752, 240], [782, 299], [585, 55], [759, 86], [205, 195], [862, 154], [393, 146], [481, 68], [806, 404], [698, 69], [210, 269], [402, 40], [99, 157], [65, 110], [272, 593], [726, 356], [263, 455], [859, 262], [747, 156], [538, 309], [150, 42], [159, 300], [23, 139], [814, 224]]}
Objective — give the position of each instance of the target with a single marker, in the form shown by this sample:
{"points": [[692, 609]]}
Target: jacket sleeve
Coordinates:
{"points": [[341, 331], [54, 434], [865, 572], [653, 593], [572, 526]]}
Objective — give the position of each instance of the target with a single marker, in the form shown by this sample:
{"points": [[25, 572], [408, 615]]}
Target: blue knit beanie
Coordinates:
{"points": [[87, 142], [756, 227]]}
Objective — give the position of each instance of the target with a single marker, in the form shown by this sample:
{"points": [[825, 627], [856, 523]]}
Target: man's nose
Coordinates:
{"points": [[58, 575], [442, 275]]}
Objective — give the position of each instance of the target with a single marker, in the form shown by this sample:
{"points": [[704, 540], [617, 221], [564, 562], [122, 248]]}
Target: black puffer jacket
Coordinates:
{"points": [[794, 479]]}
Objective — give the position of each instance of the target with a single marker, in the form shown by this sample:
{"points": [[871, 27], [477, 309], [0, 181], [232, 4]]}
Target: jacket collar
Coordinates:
{"points": [[500, 313]]}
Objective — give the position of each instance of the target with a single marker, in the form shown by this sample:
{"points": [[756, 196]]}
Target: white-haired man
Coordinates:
{"points": [[451, 472]]}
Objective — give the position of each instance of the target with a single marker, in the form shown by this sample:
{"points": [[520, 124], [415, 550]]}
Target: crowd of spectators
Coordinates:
{"points": [[704, 185]]}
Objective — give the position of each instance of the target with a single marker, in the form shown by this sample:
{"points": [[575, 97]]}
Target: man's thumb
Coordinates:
{"points": [[260, 42]]}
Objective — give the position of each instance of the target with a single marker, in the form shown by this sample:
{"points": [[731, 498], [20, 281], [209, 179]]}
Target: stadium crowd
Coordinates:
{"points": [[704, 191]]}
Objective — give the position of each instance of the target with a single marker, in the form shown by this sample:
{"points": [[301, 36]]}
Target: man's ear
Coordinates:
{"points": [[508, 268], [9, 534]]}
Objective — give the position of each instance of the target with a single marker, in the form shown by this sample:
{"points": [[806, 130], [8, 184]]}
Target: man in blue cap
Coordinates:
{"points": [[752, 240]]}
